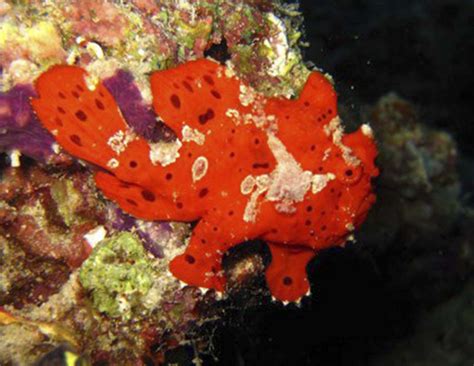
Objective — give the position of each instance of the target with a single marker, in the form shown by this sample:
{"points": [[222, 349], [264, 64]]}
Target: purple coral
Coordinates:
{"points": [[138, 115], [152, 233], [19, 127]]}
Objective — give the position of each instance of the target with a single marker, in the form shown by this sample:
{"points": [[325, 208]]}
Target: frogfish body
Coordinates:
{"points": [[243, 166]]}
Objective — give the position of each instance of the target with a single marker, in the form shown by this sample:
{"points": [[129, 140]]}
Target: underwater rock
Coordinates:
{"points": [[21, 344], [26, 278], [419, 225], [263, 39], [49, 215], [419, 182]]}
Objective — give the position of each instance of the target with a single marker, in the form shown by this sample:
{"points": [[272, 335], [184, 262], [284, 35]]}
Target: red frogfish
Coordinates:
{"points": [[243, 166]]}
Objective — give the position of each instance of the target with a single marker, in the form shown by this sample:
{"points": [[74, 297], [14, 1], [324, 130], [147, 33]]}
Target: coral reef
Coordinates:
{"points": [[141, 36], [55, 215], [52, 217], [93, 312]]}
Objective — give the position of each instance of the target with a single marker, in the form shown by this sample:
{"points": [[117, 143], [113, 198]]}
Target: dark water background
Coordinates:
{"points": [[423, 50]]}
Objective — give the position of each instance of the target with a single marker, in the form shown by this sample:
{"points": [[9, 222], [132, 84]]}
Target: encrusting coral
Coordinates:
{"points": [[118, 273], [296, 180]]}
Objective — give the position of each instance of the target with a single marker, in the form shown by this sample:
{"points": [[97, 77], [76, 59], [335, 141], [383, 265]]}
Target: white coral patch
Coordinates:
{"points": [[199, 168], [113, 163], [22, 71], [286, 185], [56, 148], [91, 81], [285, 206], [334, 129], [367, 130], [164, 153], [95, 50], [281, 56], [289, 182], [260, 120], [234, 115], [120, 140], [193, 134], [250, 212], [247, 95], [95, 235], [229, 70], [15, 155], [247, 185], [261, 182], [320, 181]]}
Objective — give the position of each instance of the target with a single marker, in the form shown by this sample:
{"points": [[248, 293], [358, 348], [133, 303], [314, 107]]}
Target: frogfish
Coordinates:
{"points": [[243, 166]]}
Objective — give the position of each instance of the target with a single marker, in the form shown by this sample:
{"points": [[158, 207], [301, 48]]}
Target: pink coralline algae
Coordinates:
{"points": [[100, 20]]}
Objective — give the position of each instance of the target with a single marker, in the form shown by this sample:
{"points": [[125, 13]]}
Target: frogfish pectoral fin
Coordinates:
{"points": [[199, 270], [286, 274], [86, 121]]}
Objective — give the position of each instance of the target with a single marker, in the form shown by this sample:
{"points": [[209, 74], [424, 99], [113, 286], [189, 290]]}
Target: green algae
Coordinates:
{"points": [[67, 199], [118, 274]]}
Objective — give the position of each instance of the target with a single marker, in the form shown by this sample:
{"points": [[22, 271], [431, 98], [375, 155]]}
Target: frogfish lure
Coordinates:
{"points": [[243, 166]]}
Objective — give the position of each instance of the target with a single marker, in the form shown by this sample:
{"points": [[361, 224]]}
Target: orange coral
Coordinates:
{"points": [[243, 166]]}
